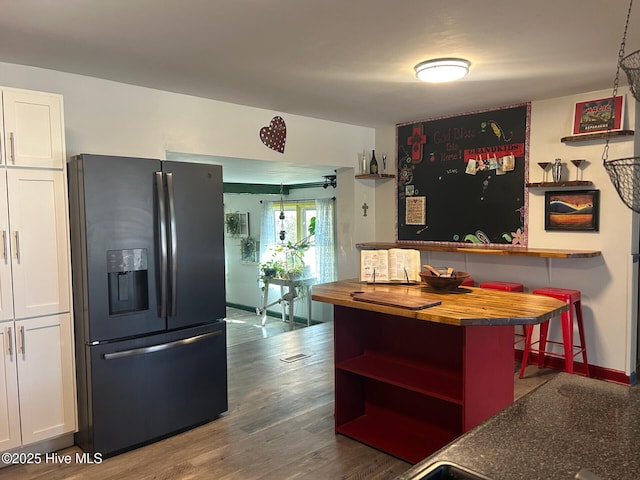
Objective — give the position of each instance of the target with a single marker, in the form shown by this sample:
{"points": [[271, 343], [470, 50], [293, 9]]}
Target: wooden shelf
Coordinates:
{"points": [[430, 380], [403, 437], [375, 176], [596, 136], [572, 183], [486, 250]]}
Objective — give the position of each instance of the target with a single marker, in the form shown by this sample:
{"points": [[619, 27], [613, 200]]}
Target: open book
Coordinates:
{"points": [[393, 265]]}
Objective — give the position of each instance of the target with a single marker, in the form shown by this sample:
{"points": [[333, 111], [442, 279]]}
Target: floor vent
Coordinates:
{"points": [[295, 358]]}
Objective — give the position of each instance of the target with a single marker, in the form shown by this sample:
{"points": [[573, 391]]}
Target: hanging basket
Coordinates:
{"points": [[631, 66], [625, 176]]}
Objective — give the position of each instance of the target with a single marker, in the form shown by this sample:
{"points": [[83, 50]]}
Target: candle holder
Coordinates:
{"points": [[543, 166]]}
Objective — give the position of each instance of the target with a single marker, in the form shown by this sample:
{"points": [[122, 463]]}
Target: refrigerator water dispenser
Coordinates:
{"points": [[128, 280]]}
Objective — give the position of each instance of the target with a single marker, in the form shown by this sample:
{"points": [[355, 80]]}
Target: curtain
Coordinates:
{"points": [[267, 230], [325, 241]]}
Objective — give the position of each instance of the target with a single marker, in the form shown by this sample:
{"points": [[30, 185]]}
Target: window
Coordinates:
{"points": [[298, 217]]}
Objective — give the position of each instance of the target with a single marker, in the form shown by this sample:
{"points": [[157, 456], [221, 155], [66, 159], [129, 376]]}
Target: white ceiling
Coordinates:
{"points": [[343, 60]]}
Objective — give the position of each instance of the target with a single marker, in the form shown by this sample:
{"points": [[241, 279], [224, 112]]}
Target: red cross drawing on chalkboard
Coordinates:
{"points": [[417, 139]]}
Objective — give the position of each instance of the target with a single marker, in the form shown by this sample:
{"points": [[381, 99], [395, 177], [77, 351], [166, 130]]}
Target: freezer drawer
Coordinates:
{"points": [[148, 388]]}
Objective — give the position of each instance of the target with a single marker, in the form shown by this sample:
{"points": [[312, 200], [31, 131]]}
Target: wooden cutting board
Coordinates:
{"points": [[394, 300]]}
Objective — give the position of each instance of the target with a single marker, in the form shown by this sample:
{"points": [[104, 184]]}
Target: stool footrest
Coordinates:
{"points": [[576, 349]]}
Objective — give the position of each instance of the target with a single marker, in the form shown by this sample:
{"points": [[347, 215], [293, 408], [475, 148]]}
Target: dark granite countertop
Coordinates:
{"points": [[568, 424]]}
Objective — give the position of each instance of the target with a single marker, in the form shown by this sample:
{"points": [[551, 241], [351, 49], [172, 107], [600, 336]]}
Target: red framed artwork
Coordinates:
{"points": [[604, 114]]}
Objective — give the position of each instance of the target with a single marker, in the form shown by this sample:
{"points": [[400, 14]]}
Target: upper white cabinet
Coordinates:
{"points": [[33, 129]]}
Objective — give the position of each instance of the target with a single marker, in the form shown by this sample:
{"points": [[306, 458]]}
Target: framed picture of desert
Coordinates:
{"points": [[574, 210]]}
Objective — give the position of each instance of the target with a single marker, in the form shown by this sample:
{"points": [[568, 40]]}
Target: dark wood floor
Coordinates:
{"points": [[279, 424]]}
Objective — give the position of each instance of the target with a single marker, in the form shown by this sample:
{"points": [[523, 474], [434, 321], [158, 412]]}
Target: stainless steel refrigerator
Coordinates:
{"points": [[147, 241]]}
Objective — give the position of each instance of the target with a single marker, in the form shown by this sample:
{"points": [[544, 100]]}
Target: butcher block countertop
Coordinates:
{"points": [[465, 306]]}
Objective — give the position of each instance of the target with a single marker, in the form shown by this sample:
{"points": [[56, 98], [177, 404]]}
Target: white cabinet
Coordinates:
{"points": [[33, 129], [37, 355], [38, 242], [9, 407], [37, 369], [46, 377], [6, 288]]}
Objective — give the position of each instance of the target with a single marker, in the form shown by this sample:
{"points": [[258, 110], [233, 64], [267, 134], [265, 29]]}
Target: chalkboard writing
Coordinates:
{"points": [[462, 179]]}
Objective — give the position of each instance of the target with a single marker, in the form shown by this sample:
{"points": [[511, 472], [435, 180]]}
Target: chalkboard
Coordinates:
{"points": [[461, 179]]}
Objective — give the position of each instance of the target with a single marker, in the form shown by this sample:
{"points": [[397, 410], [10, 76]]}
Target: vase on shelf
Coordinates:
{"points": [[556, 170], [363, 161]]}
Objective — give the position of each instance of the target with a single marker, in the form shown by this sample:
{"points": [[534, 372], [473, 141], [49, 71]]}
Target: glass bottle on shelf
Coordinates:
{"points": [[373, 164]]}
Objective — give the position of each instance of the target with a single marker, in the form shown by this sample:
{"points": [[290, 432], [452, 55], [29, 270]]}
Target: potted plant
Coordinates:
{"points": [[272, 268], [287, 259], [232, 222], [248, 249]]}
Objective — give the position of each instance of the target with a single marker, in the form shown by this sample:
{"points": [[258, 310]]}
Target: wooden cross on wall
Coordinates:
{"points": [[417, 139]]}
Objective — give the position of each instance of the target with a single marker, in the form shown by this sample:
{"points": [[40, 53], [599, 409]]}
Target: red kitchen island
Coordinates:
{"points": [[408, 382]]}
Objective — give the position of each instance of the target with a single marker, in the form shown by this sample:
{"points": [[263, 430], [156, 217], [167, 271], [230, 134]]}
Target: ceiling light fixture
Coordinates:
{"points": [[441, 70]]}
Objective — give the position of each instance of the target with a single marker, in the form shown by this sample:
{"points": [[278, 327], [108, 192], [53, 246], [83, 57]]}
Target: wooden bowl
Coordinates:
{"points": [[444, 283]]}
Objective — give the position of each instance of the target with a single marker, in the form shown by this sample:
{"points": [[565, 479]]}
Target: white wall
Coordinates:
{"points": [[606, 282], [112, 118]]}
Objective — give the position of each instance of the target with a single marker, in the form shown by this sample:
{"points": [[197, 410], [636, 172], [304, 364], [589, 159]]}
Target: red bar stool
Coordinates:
{"points": [[509, 287], [506, 286], [573, 299], [468, 282]]}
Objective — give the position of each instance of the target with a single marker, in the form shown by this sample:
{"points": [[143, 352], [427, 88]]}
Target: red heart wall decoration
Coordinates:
{"points": [[275, 134]]}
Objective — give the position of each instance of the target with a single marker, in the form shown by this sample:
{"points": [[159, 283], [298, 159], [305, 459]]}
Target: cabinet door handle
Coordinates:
{"points": [[10, 345], [16, 237], [22, 343], [12, 141], [4, 247]]}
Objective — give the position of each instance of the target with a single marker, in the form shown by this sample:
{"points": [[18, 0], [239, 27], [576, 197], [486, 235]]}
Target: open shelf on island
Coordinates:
{"points": [[408, 387], [431, 380], [400, 435]]}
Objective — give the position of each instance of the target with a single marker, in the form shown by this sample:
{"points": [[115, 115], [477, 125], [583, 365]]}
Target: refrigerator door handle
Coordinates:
{"points": [[173, 265], [162, 225], [160, 347]]}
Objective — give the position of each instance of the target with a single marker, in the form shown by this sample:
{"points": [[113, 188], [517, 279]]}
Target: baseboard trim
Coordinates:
{"points": [[599, 373], [43, 447], [270, 313]]}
